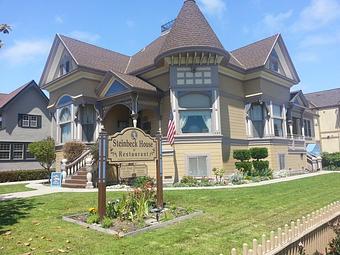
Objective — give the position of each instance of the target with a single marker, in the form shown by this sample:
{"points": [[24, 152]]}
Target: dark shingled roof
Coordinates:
{"points": [[191, 30], [255, 54], [6, 98], [146, 57], [324, 98], [135, 82], [92, 56]]}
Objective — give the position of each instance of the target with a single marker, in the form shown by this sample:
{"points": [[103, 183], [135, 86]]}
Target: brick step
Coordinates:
{"points": [[78, 177], [81, 173], [75, 181], [73, 185]]}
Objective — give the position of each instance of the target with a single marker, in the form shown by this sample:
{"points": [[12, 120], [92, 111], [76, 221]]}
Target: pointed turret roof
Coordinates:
{"points": [[191, 32]]}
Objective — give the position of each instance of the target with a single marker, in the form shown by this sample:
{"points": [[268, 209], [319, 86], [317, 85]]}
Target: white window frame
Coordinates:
{"points": [[33, 120], [25, 121], [6, 151], [207, 160], [278, 117], [14, 150], [59, 123]]}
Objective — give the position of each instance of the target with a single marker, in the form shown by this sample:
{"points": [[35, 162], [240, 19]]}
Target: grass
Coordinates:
{"points": [[4, 189], [232, 216]]}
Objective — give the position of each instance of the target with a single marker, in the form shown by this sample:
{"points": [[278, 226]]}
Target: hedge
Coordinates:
{"points": [[245, 167], [331, 160], [23, 175], [241, 155], [259, 153]]}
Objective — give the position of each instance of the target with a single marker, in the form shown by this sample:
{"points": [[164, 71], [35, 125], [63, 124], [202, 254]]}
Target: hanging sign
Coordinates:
{"points": [[130, 145]]}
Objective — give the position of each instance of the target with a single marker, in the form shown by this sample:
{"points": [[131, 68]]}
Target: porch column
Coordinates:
{"points": [[290, 122], [302, 126], [134, 109]]}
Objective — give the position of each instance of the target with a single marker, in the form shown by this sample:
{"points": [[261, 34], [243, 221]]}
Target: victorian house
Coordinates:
{"points": [[220, 100]]}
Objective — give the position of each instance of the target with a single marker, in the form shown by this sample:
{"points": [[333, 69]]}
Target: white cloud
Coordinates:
{"points": [[85, 36], [276, 23], [307, 56], [58, 20], [320, 40], [213, 7], [25, 51], [317, 14]]}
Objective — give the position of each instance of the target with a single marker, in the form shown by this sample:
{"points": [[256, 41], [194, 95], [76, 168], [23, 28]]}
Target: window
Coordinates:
{"points": [[197, 166], [65, 124], [1, 122], [65, 66], [18, 151], [307, 128], [257, 118], [282, 161], [28, 155], [278, 120], [274, 62], [29, 121], [195, 112], [88, 121], [5, 151], [296, 126], [194, 76]]}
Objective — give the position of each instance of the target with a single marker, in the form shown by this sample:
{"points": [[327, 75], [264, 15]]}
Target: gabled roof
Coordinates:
{"points": [[325, 98], [256, 54], [92, 56], [131, 81], [191, 31], [6, 98], [294, 95]]}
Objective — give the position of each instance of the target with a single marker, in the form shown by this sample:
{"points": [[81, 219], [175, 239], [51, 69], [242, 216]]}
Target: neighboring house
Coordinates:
{"points": [[221, 100], [24, 118], [327, 105]]}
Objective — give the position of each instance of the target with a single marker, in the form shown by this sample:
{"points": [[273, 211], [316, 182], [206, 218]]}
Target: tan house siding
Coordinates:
{"points": [[83, 87], [275, 92], [162, 81]]}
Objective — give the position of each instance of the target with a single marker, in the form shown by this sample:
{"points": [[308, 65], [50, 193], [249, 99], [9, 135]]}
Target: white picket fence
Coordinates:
{"points": [[279, 240]]}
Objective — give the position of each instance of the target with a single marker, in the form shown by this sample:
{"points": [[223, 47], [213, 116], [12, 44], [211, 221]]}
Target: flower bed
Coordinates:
{"points": [[135, 212]]}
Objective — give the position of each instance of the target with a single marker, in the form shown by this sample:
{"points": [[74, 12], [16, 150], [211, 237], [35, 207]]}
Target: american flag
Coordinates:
{"points": [[171, 130]]}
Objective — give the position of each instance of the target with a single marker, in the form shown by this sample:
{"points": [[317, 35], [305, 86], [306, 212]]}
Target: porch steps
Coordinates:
{"points": [[77, 180]]}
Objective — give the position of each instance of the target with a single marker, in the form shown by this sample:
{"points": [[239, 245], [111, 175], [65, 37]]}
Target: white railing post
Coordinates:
{"points": [[255, 247], [89, 162], [245, 249], [233, 251], [63, 169]]}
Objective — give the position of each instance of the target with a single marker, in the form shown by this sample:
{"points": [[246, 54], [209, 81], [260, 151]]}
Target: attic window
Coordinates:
{"points": [[274, 62], [65, 66]]}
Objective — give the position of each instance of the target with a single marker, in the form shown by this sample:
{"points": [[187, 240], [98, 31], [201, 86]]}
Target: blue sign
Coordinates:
{"points": [[56, 179]]}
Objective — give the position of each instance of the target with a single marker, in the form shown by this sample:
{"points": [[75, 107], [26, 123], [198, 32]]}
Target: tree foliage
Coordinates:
{"points": [[44, 152], [4, 29]]}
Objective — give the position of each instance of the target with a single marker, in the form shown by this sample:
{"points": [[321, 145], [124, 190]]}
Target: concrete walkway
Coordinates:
{"points": [[43, 189]]}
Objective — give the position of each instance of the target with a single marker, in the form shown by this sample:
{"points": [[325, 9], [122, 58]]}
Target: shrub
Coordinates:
{"points": [[92, 219], [245, 167], [260, 167], [72, 150], [331, 161], [259, 153], [141, 181], [24, 175], [189, 180], [107, 222], [219, 173], [44, 152], [236, 179], [241, 155]]}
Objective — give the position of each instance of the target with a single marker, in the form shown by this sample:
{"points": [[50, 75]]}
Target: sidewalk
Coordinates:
{"points": [[41, 189]]}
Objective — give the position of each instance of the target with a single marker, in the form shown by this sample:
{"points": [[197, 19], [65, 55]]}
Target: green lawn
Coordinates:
{"points": [[13, 188], [231, 217]]}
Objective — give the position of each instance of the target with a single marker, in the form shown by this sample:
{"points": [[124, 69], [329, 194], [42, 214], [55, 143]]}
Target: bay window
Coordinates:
{"points": [[278, 120], [88, 122], [257, 113], [65, 119], [307, 128], [195, 112]]}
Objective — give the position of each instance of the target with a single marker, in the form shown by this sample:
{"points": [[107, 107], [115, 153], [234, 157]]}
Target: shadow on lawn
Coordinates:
{"points": [[12, 211]]}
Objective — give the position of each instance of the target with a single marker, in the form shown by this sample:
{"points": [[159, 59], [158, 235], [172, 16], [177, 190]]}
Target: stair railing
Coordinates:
{"points": [[72, 167]]}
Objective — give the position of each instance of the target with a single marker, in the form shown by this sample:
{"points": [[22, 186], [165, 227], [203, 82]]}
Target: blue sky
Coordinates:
{"points": [[310, 29]]}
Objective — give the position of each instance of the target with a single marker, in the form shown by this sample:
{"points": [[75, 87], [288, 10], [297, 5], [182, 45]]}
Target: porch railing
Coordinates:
{"points": [[76, 165]]}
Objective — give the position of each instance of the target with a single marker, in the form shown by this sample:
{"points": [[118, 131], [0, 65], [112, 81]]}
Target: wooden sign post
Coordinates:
{"points": [[102, 174]]}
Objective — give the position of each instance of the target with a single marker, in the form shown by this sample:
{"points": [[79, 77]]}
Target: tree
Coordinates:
{"points": [[5, 29], [44, 152]]}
